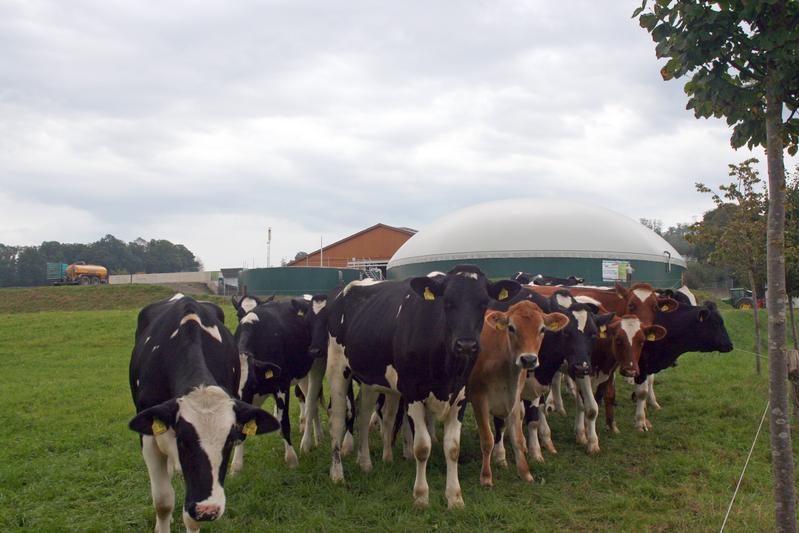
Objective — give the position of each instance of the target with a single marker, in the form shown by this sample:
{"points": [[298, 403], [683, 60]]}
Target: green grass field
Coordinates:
{"points": [[69, 463]]}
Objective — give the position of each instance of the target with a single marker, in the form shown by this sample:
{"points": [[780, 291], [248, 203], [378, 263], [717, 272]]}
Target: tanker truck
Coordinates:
{"points": [[78, 273]]}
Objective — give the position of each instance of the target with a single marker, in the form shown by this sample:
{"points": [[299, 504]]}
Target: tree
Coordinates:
{"points": [[741, 58], [8, 265], [654, 224], [738, 242]]}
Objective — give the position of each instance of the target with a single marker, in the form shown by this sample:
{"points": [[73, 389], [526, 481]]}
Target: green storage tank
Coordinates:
{"points": [[294, 281], [553, 238]]}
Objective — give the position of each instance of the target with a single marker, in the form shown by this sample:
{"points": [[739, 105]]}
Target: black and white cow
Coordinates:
{"points": [[418, 338], [184, 374], [272, 335], [539, 279]]}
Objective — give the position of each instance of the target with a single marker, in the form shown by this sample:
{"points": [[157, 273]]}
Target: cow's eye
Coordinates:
{"points": [[511, 328], [631, 307]]}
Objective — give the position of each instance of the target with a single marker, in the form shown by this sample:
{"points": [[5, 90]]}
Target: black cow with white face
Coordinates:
{"points": [[690, 329], [184, 374], [274, 335], [418, 338]]}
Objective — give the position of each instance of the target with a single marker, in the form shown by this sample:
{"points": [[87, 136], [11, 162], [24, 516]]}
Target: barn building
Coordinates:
{"points": [[554, 238], [369, 248]]}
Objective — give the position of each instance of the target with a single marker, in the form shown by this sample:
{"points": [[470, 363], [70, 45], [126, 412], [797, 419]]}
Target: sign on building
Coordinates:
{"points": [[616, 270]]}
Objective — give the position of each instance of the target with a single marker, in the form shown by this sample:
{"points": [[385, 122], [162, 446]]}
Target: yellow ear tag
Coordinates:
{"points": [[503, 294], [268, 374], [664, 308], [250, 428], [300, 313], [554, 326], [602, 332], [158, 427], [650, 337], [500, 326], [428, 294]]}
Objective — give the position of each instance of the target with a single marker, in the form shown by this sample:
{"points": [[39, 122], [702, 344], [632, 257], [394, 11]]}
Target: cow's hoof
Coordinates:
{"points": [[550, 448], [655, 406], [366, 466], [642, 427], [487, 482], [291, 458], [421, 502], [582, 439], [407, 453], [649, 426], [336, 473], [456, 502], [537, 457], [388, 457], [613, 428], [592, 449], [235, 468], [562, 411]]}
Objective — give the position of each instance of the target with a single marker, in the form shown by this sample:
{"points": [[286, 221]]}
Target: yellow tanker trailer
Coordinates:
{"points": [[76, 274]]}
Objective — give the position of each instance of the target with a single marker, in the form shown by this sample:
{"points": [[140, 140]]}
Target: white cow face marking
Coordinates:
{"points": [[248, 304], [469, 275], [563, 300], [642, 294], [318, 305], [587, 300], [582, 318], [176, 297], [630, 326], [249, 318], [213, 331]]}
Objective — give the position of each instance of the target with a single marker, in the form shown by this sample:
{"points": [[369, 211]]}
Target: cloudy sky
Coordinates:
{"points": [[206, 122]]}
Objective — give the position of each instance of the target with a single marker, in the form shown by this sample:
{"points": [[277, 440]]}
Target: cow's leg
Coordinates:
{"points": [[301, 393], [610, 404], [349, 443], [532, 420], [312, 431], [452, 450], [282, 414], [591, 411], [160, 483], [339, 377], [650, 397], [641, 423], [579, 417], [407, 437], [544, 431], [499, 442], [376, 420], [482, 418], [390, 407], [554, 398], [421, 451], [570, 385], [516, 435], [367, 397], [431, 429]]}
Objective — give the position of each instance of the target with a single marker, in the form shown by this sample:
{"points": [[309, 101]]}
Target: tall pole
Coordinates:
{"points": [[321, 252], [269, 247]]}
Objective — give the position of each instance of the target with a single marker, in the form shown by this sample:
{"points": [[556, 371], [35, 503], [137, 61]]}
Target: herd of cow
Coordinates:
{"points": [[420, 350]]}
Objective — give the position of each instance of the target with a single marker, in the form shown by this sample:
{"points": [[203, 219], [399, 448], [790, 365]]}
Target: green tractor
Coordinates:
{"points": [[740, 298]]}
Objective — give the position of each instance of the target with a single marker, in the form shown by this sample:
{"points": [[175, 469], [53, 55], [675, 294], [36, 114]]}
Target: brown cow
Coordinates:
{"points": [[509, 345]]}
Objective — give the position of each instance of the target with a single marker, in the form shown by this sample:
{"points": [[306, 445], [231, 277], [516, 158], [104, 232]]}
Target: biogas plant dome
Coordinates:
{"points": [[553, 238]]}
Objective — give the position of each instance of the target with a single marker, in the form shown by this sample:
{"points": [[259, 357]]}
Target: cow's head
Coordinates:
{"points": [[203, 426], [576, 340], [704, 328], [644, 302], [317, 322], [257, 377], [628, 335], [525, 325], [463, 295]]}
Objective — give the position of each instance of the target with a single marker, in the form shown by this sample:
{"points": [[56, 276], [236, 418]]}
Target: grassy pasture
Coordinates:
{"points": [[69, 463]]}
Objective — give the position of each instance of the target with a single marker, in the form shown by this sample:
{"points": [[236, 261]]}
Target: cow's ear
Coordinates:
{"points": [[254, 420], [235, 302], [300, 307], [654, 333], [270, 299], [265, 372], [555, 321], [621, 291], [503, 290], [607, 325], [427, 288], [156, 419], [667, 305], [704, 314], [497, 320]]}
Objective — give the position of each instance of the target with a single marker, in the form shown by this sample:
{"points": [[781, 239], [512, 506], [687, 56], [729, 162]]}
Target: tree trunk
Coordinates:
{"points": [[755, 297], [781, 452], [793, 323]]}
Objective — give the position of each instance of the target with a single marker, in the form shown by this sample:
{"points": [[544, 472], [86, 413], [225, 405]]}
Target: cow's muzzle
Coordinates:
{"points": [[466, 347], [205, 512], [315, 352], [629, 371], [580, 370], [527, 361]]}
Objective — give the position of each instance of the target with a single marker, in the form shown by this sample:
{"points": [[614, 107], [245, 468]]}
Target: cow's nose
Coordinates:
{"points": [[629, 371], [207, 511], [466, 347], [315, 352], [581, 370], [527, 361]]}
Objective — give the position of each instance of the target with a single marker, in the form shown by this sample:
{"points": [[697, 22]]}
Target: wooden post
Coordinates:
{"points": [[793, 322], [757, 321]]}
